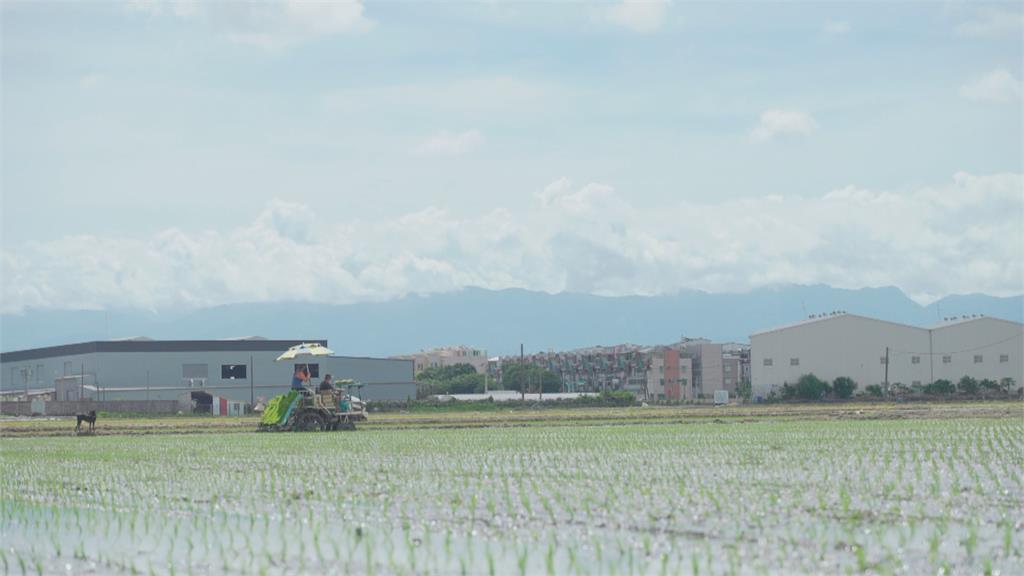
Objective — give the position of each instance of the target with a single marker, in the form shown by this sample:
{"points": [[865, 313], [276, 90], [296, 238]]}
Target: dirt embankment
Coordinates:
{"points": [[28, 427]]}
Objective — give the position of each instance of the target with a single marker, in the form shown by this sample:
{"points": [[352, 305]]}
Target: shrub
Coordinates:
{"points": [[940, 387], [967, 385], [843, 387], [989, 385], [810, 387], [899, 389], [874, 390]]}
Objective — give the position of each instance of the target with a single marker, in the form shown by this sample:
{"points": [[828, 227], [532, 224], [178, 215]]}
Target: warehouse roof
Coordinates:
{"points": [[961, 320], [844, 314], [813, 319], [139, 344]]}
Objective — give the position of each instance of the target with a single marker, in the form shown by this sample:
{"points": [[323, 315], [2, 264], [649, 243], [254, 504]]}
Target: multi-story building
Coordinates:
{"points": [[669, 374], [691, 369], [708, 370], [874, 351], [622, 367], [448, 356], [735, 366]]}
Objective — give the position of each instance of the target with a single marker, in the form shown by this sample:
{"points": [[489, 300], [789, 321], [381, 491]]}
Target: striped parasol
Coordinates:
{"points": [[305, 349]]}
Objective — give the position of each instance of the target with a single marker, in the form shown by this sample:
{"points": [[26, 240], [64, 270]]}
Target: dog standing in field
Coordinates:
{"points": [[90, 418]]}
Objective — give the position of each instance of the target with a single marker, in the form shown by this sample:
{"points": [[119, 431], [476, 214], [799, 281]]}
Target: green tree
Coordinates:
{"points": [[810, 387], [967, 385], [466, 383], [989, 385], [454, 379], [940, 387], [1007, 384], [874, 390], [744, 389], [444, 373], [843, 387], [515, 376]]}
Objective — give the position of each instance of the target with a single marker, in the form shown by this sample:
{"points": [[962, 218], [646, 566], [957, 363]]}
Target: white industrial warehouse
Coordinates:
{"points": [[142, 369], [862, 348]]}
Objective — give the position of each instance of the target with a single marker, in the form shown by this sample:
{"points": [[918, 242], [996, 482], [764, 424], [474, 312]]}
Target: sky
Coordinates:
{"points": [[165, 155]]}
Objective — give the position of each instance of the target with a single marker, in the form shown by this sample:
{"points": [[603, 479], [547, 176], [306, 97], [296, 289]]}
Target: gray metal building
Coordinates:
{"points": [[143, 369], [872, 351]]}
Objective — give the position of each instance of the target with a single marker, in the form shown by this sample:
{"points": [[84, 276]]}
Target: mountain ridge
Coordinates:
{"points": [[498, 320]]}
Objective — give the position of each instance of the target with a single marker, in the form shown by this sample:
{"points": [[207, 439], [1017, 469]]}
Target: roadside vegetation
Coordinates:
{"points": [[809, 387]]}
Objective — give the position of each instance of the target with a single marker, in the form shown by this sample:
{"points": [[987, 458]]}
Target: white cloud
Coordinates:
{"points": [[269, 24], [964, 236], [446, 143], [836, 28], [781, 122], [638, 15], [992, 23], [996, 86]]}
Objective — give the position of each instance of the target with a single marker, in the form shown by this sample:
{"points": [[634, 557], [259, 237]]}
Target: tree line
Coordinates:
{"points": [[464, 379], [810, 387]]}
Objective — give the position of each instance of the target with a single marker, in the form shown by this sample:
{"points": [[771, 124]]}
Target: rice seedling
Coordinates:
{"points": [[878, 496]]}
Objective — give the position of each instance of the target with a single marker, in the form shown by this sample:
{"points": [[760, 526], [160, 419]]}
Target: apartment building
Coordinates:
{"points": [[448, 356]]}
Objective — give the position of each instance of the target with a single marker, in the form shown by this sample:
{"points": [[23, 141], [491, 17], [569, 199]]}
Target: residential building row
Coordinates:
{"points": [[867, 350], [687, 370]]}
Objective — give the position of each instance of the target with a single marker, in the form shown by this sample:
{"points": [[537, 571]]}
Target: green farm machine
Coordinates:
{"points": [[308, 411]]}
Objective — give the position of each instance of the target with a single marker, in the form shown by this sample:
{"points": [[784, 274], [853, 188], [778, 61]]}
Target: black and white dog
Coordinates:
{"points": [[90, 418]]}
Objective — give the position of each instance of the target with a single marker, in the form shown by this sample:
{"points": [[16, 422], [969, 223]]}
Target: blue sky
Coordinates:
{"points": [[179, 154]]}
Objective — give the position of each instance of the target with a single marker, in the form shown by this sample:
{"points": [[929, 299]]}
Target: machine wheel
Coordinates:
{"points": [[309, 422]]}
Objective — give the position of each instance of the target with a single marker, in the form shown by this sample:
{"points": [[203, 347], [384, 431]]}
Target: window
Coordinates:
{"points": [[767, 361], [947, 359], [728, 367], [233, 371], [314, 369], [881, 360], [794, 361], [915, 359], [1004, 357], [194, 375], [977, 358]]}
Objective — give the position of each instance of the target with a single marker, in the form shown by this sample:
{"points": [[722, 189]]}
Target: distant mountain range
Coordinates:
{"points": [[499, 320]]}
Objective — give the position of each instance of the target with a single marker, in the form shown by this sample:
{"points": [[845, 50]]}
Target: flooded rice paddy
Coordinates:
{"points": [[911, 497]]}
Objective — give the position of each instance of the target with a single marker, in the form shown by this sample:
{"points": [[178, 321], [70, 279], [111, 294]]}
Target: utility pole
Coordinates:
{"points": [[522, 373], [887, 368], [252, 387]]}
